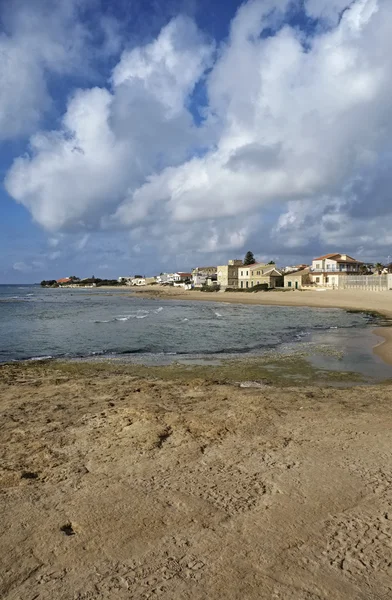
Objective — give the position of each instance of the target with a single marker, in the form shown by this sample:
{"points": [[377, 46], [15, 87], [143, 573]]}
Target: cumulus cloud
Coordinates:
{"points": [[111, 140], [297, 120], [41, 40]]}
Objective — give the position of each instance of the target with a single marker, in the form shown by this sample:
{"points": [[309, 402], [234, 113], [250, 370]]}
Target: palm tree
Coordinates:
{"points": [[379, 267]]}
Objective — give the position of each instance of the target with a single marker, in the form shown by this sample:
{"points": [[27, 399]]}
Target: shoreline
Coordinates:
{"points": [[363, 301]]}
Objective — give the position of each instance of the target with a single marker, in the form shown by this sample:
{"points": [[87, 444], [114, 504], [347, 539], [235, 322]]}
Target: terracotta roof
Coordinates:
{"points": [[271, 272], [327, 256], [255, 266], [349, 260], [63, 280], [300, 272], [339, 258]]}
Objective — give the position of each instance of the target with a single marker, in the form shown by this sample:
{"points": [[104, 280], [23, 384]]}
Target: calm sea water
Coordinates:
{"points": [[68, 323]]}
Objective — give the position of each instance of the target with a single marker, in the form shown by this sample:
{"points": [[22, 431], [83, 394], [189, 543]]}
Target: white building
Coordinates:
{"points": [[326, 270], [181, 276]]}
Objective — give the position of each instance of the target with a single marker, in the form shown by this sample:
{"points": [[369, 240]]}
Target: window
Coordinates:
{"points": [[242, 284], [247, 283], [251, 284], [258, 272], [317, 279], [247, 273], [242, 273], [289, 284], [327, 280], [318, 266]]}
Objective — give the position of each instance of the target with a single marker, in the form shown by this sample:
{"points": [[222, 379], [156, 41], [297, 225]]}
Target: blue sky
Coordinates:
{"points": [[150, 136]]}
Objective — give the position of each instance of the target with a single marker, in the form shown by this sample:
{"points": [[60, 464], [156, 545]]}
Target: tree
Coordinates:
{"points": [[379, 267], [271, 262], [249, 258]]}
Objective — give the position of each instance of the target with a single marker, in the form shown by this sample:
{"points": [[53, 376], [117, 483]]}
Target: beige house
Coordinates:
{"points": [[326, 270], [297, 279], [251, 275], [272, 277], [227, 275]]}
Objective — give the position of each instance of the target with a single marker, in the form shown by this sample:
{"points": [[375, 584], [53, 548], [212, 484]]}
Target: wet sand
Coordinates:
{"points": [[115, 485]]}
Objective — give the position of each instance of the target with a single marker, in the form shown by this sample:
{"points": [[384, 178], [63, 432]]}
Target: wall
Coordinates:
{"points": [[366, 282], [228, 276], [293, 279]]}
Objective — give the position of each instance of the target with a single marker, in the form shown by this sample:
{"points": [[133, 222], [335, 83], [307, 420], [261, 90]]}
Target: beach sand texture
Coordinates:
{"points": [[118, 487]]}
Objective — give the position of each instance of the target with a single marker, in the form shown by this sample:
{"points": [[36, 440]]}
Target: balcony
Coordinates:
{"points": [[338, 269]]}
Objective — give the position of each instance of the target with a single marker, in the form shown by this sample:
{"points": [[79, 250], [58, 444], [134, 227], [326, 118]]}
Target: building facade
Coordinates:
{"points": [[251, 275], [181, 276], [328, 269], [298, 279], [227, 275], [200, 275]]}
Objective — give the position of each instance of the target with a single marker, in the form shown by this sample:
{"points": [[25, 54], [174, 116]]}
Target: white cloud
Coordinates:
{"points": [[328, 10], [291, 122], [109, 142], [43, 39], [21, 266]]}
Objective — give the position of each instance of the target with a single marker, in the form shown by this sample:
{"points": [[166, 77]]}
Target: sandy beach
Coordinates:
{"points": [[243, 481], [117, 486]]}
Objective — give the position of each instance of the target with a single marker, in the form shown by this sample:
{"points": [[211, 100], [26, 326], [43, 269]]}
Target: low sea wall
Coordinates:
{"points": [[376, 283]]}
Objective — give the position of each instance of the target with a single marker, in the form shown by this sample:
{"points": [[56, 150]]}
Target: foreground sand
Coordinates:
{"points": [[191, 489]]}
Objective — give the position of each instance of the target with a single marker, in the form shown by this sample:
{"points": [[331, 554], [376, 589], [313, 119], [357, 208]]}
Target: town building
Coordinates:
{"points": [[200, 275], [326, 270], [165, 278], [227, 275], [251, 275], [296, 280], [291, 269], [181, 276], [273, 277], [138, 281]]}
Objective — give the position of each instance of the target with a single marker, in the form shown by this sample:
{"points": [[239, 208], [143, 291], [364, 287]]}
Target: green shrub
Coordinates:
{"points": [[261, 287]]}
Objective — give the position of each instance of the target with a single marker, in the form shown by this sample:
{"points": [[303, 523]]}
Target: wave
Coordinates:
{"points": [[141, 314]]}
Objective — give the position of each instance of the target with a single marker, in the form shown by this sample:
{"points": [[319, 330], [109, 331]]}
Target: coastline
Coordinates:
{"points": [[366, 301]]}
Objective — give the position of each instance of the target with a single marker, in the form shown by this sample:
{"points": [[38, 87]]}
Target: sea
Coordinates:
{"points": [[39, 323]]}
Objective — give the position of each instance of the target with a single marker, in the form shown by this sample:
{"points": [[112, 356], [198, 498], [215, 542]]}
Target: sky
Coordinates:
{"points": [[141, 136]]}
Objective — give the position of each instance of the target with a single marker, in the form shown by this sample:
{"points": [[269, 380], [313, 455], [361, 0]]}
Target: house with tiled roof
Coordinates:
{"points": [[297, 279], [251, 275], [327, 269]]}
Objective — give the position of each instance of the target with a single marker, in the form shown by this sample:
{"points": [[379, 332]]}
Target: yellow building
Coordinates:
{"points": [[251, 275], [227, 275]]}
